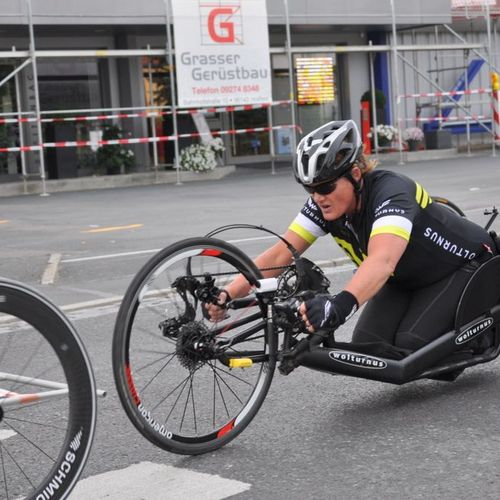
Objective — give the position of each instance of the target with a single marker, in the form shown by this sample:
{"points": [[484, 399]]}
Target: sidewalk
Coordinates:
{"points": [[111, 181], [171, 177]]}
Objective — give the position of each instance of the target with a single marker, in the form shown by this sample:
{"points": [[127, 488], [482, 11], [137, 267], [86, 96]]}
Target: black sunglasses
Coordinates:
{"points": [[323, 188]]}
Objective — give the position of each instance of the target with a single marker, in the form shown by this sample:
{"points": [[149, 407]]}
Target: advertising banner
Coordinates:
{"points": [[221, 52]]}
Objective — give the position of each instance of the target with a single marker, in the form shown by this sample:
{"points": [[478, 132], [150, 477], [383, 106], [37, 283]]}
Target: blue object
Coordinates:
{"points": [[466, 77], [381, 71]]}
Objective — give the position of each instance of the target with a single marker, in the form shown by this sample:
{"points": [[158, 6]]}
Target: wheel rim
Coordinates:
{"points": [[45, 439], [178, 390]]}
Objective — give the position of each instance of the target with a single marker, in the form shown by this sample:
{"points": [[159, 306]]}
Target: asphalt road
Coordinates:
{"points": [[316, 436]]}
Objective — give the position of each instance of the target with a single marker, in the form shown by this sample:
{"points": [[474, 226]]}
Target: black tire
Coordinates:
{"points": [[448, 204], [180, 404], [44, 442]]}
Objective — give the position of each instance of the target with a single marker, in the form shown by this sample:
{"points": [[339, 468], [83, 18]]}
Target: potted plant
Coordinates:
{"points": [[380, 101], [413, 136], [201, 157], [385, 134], [114, 159]]}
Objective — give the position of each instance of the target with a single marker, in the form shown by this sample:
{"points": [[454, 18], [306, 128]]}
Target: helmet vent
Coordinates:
{"points": [[305, 163]]}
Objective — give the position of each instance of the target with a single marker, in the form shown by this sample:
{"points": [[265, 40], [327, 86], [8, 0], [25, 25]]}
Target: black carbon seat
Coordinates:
{"points": [[481, 293]]}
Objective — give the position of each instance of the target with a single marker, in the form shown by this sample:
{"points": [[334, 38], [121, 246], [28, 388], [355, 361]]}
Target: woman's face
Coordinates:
{"points": [[339, 202]]}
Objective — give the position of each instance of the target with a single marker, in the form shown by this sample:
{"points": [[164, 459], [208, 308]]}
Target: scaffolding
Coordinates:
{"points": [[482, 50]]}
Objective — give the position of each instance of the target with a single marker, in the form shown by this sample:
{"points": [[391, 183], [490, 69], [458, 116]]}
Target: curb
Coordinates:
{"points": [[112, 181]]}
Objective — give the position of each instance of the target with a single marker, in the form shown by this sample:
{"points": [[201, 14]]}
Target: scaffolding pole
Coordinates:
{"points": [[153, 118], [455, 103], [374, 105], [490, 70], [290, 79], [172, 92], [21, 132], [37, 99], [396, 80]]}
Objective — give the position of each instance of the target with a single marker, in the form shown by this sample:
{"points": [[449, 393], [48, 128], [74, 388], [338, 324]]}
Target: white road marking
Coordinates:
{"points": [[6, 434], [151, 481], [96, 293], [50, 272], [153, 250]]}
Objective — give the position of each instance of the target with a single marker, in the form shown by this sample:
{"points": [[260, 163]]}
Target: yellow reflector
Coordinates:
{"points": [[240, 363]]}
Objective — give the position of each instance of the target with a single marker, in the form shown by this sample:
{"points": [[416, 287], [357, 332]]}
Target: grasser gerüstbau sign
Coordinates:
{"points": [[221, 52]]}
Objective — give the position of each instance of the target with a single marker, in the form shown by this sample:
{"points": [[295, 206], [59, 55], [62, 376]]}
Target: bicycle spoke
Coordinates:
{"points": [[177, 399], [187, 401], [48, 426], [194, 410], [31, 405], [6, 348], [138, 370], [230, 374], [29, 360], [29, 441], [3, 447], [222, 397], [158, 373], [3, 471], [227, 385]]}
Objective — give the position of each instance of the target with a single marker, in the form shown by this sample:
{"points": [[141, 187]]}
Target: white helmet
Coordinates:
{"points": [[327, 153]]}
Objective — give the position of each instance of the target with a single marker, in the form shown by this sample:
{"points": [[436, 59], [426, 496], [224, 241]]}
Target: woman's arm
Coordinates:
{"points": [[384, 252], [276, 256]]}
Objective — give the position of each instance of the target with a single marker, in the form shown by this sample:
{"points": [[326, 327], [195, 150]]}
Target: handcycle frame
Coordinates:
{"points": [[423, 363], [426, 362]]}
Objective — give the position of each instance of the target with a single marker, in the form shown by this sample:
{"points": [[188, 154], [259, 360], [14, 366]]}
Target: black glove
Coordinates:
{"points": [[327, 312]]}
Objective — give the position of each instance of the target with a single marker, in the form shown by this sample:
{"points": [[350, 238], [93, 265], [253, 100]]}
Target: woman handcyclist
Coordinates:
{"points": [[413, 257]]}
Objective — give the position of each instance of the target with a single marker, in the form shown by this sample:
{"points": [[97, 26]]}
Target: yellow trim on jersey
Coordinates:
{"points": [[418, 194], [303, 233], [348, 248], [396, 230], [422, 196]]}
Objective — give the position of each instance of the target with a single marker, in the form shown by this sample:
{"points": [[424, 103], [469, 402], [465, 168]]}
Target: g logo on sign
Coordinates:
{"points": [[221, 24], [220, 29]]}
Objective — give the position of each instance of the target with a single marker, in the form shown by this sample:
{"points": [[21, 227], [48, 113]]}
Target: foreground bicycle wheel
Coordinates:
{"points": [[47, 398], [172, 365]]}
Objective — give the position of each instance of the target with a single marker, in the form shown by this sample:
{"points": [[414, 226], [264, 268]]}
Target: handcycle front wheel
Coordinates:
{"points": [[47, 397], [172, 366]]}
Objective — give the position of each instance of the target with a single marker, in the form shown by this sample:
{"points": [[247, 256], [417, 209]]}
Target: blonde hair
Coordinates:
{"points": [[364, 163]]}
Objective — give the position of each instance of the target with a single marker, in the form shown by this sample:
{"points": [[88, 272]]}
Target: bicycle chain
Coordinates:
{"points": [[229, 273]]}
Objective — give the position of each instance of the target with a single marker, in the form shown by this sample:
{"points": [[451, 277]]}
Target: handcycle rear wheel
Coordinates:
{"points": [[175, 390], [47, 397], [448, 204]]}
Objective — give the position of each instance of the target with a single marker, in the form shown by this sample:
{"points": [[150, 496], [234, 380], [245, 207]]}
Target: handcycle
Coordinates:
{"points": [[191, 386], [47, 397]]}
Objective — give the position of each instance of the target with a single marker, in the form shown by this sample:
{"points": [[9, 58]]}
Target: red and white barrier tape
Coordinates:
{"points": [[145, 114], [142, 140], [447, 119], [446, 94], [495, 102]]}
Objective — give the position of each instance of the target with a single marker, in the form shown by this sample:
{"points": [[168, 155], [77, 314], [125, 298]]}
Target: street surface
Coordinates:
{"points": [[316, 436]]}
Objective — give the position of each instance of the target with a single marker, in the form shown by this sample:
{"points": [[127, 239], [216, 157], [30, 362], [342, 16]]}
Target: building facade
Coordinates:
{"points": [[338, 36]]}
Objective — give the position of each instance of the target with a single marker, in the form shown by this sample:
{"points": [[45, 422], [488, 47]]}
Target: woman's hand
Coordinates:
{"points": [[217, 312]]}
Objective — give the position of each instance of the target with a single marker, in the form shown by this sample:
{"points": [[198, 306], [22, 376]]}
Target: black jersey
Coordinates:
{"points": [[439, 241]]}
